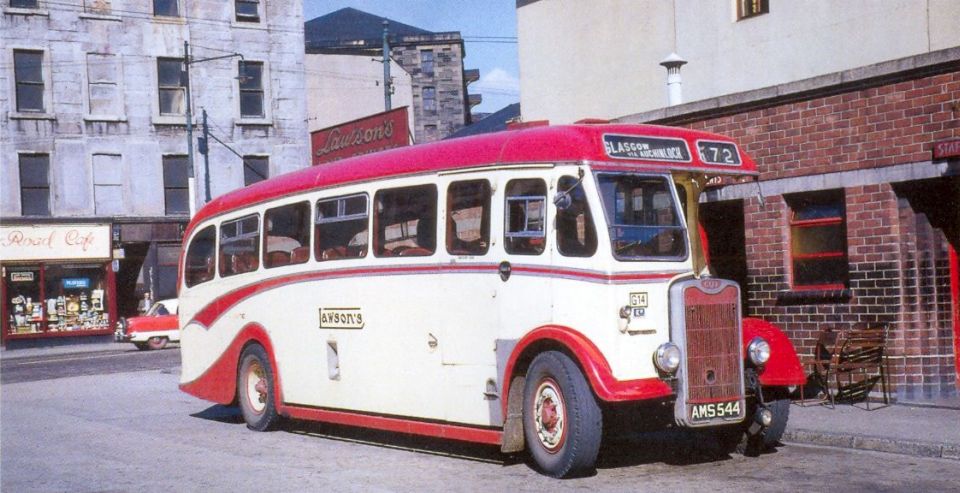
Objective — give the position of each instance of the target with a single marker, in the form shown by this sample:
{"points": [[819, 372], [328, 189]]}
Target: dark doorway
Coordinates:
{"points": [[128, 297], [930, 238], [724, 224]]}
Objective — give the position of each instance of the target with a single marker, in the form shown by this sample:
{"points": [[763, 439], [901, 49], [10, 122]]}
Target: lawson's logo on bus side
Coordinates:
{"points": [[341, 318]]}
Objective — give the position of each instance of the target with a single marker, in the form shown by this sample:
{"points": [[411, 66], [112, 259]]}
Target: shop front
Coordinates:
{"points": [[58, 282]]}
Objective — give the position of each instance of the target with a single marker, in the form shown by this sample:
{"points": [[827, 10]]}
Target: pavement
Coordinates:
{"points": [[921, 431], [94, 347], [905, 429]]}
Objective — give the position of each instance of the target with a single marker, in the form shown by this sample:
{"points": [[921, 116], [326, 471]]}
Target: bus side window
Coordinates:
{"points": [[201, 257], [576, 236], [405, 222], [341, 228], [526, 217], [240, 245], [468, 217], [288, 235]]}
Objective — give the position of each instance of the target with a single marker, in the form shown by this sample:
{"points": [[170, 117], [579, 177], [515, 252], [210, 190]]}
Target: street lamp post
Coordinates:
{"points": [[191, 172]]}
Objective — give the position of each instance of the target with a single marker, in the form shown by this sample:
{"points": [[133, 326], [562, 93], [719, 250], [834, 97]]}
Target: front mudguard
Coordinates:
{"points": [[784, 367]]}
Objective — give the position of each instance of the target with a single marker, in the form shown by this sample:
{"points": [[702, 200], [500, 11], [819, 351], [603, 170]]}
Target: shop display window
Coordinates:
{"points": [[54, 298]]}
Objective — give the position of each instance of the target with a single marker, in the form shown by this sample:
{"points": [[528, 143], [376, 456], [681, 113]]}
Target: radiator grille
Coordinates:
{"points": [[713, 345]]}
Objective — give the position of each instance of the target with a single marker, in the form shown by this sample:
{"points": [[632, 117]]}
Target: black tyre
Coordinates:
{"points": [[771, 435], [157, 342], [255, 390], [562, 422], [739, 438]]}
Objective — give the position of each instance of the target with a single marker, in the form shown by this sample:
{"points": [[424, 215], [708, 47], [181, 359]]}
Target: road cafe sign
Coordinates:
{"points": [[369, 134], [55, 242]]}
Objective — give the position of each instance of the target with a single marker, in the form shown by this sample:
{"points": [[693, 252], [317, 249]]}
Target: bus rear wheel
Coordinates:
{"points": [[255, 389], [562, 422]]}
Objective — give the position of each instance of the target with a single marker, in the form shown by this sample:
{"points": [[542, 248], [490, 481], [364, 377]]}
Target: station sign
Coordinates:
{"points": [[946, 149]]}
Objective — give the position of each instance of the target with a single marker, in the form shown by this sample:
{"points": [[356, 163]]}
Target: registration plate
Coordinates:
{"points": [[715, 410]]}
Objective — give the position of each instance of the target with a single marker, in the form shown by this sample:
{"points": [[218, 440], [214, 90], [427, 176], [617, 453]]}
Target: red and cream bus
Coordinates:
{"points": [[519, 288]]}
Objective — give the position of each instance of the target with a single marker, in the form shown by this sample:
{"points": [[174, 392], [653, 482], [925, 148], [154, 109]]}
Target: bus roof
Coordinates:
{"points": [[546, 144]]}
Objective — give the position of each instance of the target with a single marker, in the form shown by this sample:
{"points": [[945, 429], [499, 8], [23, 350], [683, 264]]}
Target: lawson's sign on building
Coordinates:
{"points": [[363, 136]]}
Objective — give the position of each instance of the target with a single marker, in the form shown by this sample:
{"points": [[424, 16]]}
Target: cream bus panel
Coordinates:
{"points": [[416, 336]]}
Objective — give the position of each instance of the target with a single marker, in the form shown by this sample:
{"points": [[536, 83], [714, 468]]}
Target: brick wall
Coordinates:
{"points": [[898, 265], [859, 129]]}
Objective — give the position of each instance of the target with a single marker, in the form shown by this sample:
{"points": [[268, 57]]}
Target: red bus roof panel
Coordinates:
{"points": [[545, 144]]}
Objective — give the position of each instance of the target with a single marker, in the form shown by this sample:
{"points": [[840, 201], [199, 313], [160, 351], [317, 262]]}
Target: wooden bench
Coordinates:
{"points": [[848, 364]]}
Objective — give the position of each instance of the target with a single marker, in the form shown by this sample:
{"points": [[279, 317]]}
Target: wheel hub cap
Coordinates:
{"points": [[549, 415], [257, 388]]}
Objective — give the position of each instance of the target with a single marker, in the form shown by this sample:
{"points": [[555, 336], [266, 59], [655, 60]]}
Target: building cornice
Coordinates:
{"points": [[893, 71]]}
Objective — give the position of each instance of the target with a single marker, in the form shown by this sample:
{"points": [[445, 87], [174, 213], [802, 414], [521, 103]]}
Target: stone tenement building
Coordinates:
{"points": [[441, 104], [94, 143]]}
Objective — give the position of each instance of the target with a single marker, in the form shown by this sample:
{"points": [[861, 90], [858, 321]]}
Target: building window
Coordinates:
{"points": [[426, 62], [751, 8], [251, 90], [168, 8], [818, 240], [430, 133], [247, 10], [103, 84], [429, 98], [176, 197], [28, 71], [255, 168], [35, 184], [24, 4], [108, 184], [101, 7], [171, 86]]}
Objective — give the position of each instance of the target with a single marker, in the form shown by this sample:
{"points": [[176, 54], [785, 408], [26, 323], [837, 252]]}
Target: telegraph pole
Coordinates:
{"points": [[387, 85], [206, 157], [191, 174]]}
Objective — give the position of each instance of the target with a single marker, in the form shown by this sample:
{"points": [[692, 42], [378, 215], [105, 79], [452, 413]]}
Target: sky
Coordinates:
{"points": [[477, 21]]}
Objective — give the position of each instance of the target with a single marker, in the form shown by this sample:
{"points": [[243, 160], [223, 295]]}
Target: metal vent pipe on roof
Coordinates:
{"points": [[672, 63]]}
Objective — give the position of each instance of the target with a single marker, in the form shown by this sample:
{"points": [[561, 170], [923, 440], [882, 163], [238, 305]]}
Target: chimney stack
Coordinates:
{"points": [[672, 63]]}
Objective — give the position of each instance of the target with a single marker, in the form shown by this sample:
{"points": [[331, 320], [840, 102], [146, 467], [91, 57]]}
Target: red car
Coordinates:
{"points": [[154, 329]]}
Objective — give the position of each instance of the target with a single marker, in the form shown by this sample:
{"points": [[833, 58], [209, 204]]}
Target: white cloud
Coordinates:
{"points": [[497, 81]]}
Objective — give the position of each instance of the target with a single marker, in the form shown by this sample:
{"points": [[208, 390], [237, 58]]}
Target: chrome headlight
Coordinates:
{"points": [[759, 351], [667, 357]]}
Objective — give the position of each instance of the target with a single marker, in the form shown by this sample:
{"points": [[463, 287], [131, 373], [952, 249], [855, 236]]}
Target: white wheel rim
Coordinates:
{"points": [[549, 414], [256, 387]]}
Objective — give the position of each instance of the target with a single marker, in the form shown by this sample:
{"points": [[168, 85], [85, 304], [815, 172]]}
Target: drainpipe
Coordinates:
{"points": [[672, 63]]}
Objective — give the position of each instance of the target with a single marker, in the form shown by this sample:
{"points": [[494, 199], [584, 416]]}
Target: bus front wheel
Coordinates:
{"points": [[255, 389], [562, 421]]}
